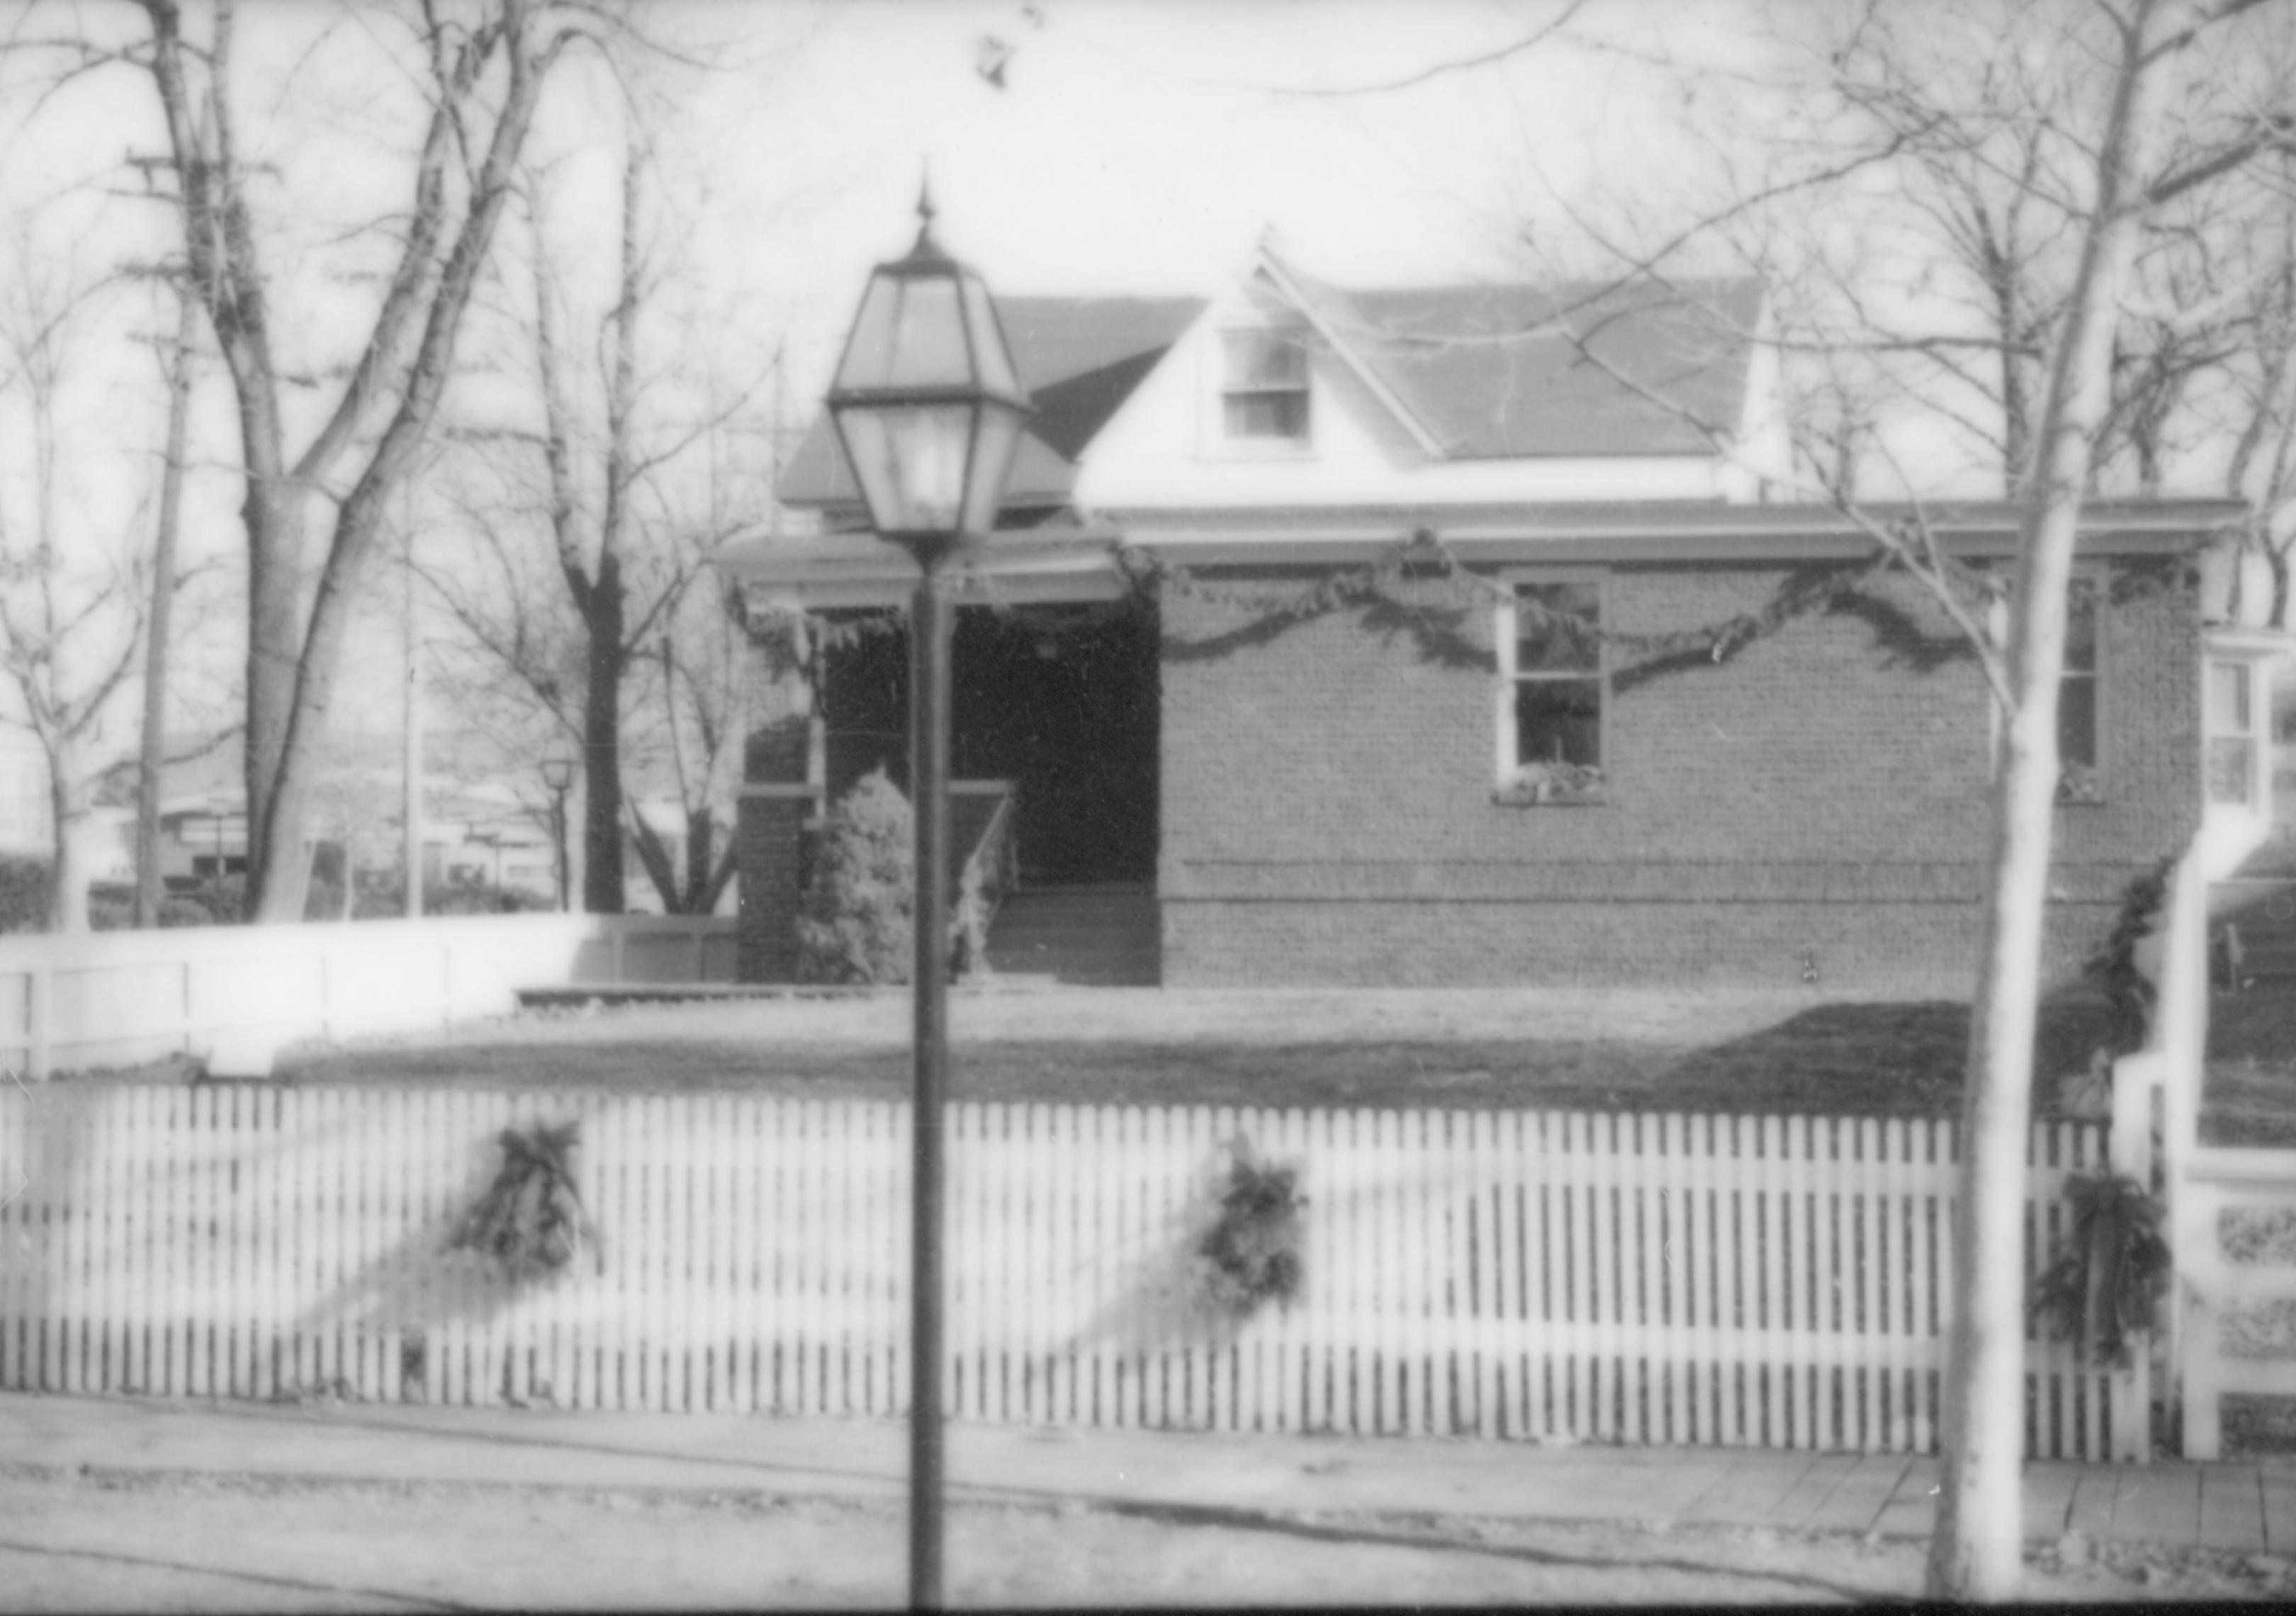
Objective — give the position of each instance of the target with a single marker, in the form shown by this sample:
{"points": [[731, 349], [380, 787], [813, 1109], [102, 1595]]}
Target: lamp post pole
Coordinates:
{"points": [[929, 726], [929, 411], [558, 764], [558, 839]]}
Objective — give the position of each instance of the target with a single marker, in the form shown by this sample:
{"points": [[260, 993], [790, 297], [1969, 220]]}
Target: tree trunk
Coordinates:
{"points": [[1976, 1553], [601, 745], [701, 846], [66, 867], [149, 887]]}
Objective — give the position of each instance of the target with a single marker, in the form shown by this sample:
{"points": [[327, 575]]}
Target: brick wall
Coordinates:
{"points": [[1815, 801]]}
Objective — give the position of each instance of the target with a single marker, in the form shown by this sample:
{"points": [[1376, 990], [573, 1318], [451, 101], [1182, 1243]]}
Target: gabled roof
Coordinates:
{"points": [[1472, 373], [1079, 358], [1504, 372]]}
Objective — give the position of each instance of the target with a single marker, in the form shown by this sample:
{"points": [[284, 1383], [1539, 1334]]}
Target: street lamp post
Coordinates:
{"points": [[929, 411], [558, 776]]}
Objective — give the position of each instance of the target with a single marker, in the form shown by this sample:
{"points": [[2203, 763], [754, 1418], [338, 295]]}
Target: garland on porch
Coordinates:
{"points": [[1807, 590], [1418, 559]]}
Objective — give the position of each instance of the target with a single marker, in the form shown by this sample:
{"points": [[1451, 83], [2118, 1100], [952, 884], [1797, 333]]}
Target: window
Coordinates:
{"points": [[2232, 733], [1264, 386], [1551, 739], [2078, 779]]}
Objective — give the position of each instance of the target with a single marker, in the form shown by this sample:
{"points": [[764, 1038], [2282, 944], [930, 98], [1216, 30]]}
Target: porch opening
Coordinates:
{"points": [[1062, 700]]}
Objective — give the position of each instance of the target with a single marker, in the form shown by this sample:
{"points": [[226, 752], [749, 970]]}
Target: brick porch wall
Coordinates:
{"points": [[1818, 799]]}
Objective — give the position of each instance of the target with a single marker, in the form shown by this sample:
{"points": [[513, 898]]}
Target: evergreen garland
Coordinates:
{"points": [[2113, 1271], [1423, 556], [2128, 993]]}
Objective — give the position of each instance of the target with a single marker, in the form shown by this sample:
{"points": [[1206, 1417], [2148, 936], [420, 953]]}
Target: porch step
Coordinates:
{"points": [[1104, 936]]}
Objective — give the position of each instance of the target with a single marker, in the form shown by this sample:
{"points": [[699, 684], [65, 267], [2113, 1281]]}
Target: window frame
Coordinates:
{"points": [[2098, 581], [1245, 445], [1508, 625], [2255, 736]]}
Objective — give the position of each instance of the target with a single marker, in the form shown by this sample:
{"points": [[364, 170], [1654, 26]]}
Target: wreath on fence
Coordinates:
{"points": [[1251, 1253], [531, 1218], [2112, 1270]]}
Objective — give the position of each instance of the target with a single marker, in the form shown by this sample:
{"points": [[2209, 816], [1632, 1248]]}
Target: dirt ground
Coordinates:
{"points": [[101, 1541]]}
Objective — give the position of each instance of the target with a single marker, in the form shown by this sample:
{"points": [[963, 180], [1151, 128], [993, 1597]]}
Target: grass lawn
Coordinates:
{"points": [[1553, 1049], [2250, 1094]]}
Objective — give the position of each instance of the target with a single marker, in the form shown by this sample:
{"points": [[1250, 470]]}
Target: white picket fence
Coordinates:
{"points": [[1674, 1279]]}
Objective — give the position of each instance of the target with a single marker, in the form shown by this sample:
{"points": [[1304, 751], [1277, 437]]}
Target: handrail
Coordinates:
{"points": [[989, 874]]}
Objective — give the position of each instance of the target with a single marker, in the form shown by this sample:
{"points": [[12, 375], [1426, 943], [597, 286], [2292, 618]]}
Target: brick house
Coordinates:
{"points": [[1384, 638]]}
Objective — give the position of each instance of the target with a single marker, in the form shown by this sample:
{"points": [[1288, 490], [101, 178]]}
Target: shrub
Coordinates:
{"points": [[111, 908], [855, 921], [23, 893]]}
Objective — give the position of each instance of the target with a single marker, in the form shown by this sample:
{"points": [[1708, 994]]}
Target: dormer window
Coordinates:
{"points": [[1264, 389]]}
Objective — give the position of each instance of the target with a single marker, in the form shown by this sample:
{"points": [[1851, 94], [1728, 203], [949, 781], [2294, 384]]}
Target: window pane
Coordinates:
{"points": [[1268, 359], [2228, 698], [1555, 627], [2080, 627], [2231, 763], [1267, 416], [2077, 721], [1559, 721]]}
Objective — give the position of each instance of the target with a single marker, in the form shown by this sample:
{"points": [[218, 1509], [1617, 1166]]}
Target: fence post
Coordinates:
{"points": [[2196, 1300], [2180, 1035], [39, 1012]]}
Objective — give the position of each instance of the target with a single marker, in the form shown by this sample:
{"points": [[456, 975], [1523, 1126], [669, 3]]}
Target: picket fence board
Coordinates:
{"points": [[1668, 1277]]}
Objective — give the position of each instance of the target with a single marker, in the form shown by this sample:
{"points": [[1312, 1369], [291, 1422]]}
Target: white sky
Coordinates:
{"points": [[1144, 145], [1137, 146]]}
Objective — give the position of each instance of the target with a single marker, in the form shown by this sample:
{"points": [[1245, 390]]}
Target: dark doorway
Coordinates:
{"points": [[1063, 700]]}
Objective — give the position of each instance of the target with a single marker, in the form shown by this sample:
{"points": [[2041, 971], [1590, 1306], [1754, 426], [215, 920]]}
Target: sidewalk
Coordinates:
{"points": [[2247, 1506]]}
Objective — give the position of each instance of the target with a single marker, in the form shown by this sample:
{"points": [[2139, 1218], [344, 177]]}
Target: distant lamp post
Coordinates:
{"points": [[930, 413], [558, 762]]}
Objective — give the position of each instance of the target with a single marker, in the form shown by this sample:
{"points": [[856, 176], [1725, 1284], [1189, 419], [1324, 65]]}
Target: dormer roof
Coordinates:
{"points": [[1469, 372], [1511, 372]]}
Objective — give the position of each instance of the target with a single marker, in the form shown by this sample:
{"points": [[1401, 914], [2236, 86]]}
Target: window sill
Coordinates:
{"points": [[1559, 800], [1254, 448]]}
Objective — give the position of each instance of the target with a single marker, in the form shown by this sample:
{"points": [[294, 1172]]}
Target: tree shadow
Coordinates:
{"points": [[292, 1585], [1235, 1519], [1881, 1059]]}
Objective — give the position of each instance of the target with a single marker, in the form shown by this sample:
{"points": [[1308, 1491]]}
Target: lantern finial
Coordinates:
{"points": [[926, 247]]}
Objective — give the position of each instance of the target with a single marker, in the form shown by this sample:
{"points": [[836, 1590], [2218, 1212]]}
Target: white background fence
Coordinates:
{"points": [[1654, 1278], [116, 998]]}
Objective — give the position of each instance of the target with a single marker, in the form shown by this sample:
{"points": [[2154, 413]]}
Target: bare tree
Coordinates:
{"points": [[603, 481], [480, 76], [75, 579], [2072, 167], [176, 365]]}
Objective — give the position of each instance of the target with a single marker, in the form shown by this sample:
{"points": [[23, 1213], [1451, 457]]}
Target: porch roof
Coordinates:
{"points": [[1077, 561]]}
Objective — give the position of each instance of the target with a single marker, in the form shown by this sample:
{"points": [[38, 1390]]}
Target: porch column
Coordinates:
{"points": [[782, 790]]}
